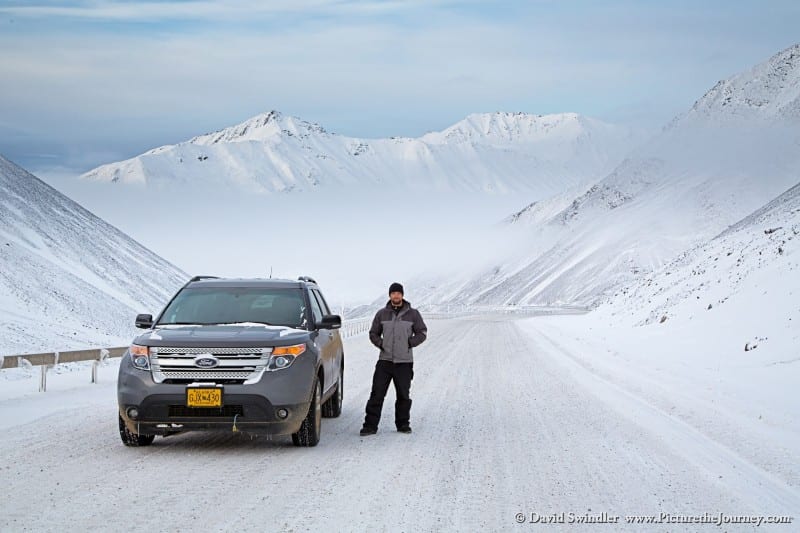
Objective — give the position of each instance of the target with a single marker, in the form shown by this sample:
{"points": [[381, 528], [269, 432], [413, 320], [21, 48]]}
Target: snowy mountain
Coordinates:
{"points": [[735, 150], [754, 258], [67, 278], [770, 90], [497, 152]]}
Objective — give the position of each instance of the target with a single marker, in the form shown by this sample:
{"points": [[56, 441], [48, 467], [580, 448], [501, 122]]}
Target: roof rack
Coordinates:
{"points": [[307, 279], [198, 278]]}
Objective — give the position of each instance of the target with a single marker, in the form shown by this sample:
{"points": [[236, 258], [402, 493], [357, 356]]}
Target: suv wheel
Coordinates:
{"points": [[130, 438], [333, 407], [308, 434]]}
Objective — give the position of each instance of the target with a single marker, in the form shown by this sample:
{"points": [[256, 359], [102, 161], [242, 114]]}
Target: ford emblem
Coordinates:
{"points": [[206, 361]]}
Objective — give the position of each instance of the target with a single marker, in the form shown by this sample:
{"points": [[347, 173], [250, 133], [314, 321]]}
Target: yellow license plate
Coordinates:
{"points": [[205, 397]]}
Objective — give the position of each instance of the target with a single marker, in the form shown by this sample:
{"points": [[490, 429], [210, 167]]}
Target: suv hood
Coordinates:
{"points": [[238, 335]]}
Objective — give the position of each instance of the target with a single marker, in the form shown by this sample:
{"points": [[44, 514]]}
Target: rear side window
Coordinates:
{"points": [[232, 305], [316, 310], [322, 303]]}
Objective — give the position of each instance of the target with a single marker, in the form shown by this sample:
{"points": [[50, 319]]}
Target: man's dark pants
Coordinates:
{"points": [[385, 372]]}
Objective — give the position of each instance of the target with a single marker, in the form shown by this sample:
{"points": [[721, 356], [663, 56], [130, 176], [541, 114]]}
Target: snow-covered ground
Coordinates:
{"points": [[539, 415]]}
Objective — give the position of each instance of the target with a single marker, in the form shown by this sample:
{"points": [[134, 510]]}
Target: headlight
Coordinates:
{"points": [[283, 356], [140, 356]]}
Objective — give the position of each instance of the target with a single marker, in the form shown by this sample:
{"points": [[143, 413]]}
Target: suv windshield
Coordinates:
{"points": [[232, 305]]}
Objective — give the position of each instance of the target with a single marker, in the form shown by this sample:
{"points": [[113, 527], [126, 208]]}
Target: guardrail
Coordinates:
{"points": [[444, 312], [45, 361], [54, 358], [351, 328]]}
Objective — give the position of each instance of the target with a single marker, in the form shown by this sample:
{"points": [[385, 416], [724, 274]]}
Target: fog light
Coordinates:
{"points": [[133, 413], [283, 413]]}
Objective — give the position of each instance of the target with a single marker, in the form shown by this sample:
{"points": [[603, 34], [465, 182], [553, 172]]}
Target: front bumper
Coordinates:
{"points": [[251, 408], [164, 414]]}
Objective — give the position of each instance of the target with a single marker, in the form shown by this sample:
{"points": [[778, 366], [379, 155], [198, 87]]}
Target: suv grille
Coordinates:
{"points": [[215, 351], [233, 365]]}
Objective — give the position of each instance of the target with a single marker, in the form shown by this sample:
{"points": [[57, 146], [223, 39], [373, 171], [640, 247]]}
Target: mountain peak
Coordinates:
{"points": [[261, 127], [767, 91], [515, 127]]}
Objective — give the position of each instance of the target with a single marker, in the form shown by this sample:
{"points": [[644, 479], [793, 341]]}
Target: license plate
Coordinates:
{"points": [[204, 397]]}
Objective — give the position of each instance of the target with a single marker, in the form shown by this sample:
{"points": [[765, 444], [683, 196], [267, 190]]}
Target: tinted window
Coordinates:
{"points": [[322, 303], [230, 305], [315, 308]]}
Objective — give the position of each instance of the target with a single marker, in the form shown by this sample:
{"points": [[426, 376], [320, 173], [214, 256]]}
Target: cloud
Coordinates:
{"points": [[115, 77], [212, 11]]}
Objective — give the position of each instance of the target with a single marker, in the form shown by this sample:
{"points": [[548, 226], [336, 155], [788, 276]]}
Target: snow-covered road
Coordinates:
{"points": [[505, 421]]}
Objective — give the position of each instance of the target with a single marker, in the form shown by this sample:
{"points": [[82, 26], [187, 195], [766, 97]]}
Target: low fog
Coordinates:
{"points": [[353, 242]]}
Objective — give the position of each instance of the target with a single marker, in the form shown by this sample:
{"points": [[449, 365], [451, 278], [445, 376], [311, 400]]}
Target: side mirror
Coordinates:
{"points": [[144, 321], [330, 322]]}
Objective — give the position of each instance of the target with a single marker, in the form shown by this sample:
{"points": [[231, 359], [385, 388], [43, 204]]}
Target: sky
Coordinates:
{"points": [[90, 82]]}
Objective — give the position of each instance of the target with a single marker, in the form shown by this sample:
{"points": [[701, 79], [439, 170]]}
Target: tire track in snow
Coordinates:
{"points": [[764, 490], [500, 427]]}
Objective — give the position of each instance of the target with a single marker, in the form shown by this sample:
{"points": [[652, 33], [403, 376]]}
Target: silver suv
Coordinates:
{"points": [[254, 355]]}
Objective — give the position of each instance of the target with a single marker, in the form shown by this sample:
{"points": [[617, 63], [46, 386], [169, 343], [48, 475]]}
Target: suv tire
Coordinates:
{"points": [[133, 439], [333, 407], [308, 434]]}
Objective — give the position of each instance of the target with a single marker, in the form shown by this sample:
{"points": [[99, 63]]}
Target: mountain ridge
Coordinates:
{"points": [[489, 152], [683, 187]]}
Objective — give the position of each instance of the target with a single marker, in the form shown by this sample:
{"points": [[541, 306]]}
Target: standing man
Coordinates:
{"points": [[396, 330]]}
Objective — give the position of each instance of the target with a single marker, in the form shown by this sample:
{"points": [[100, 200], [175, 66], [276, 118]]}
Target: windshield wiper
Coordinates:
{"points": [[243, 323]]}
